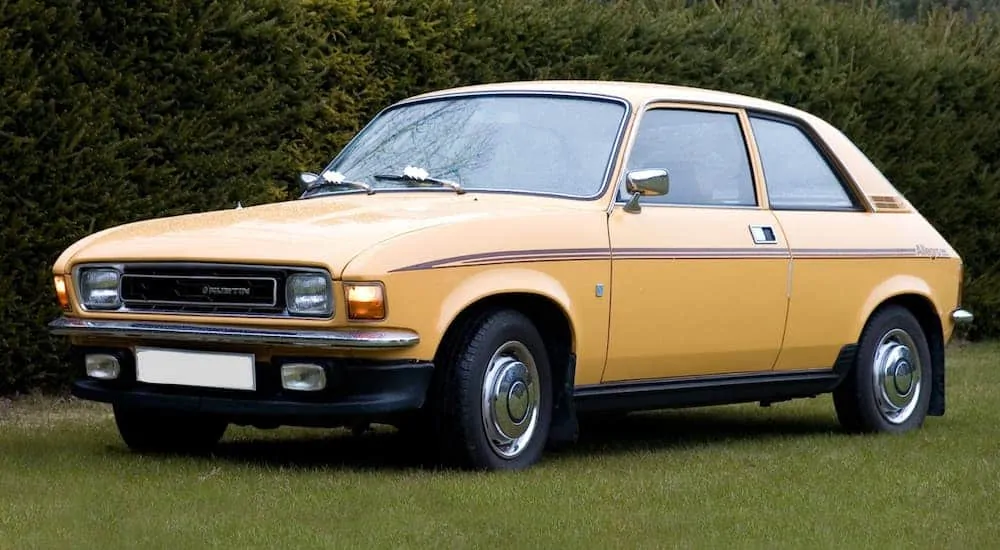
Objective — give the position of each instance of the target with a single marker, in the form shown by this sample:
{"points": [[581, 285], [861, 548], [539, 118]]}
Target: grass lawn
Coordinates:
{"points": [[740, 476]]}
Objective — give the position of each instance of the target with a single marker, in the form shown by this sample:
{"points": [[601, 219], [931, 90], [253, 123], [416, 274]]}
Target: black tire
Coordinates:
{"points": [[146, 430], [863, 405], [456, 403]]}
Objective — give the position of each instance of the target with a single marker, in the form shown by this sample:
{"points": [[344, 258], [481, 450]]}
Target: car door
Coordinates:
{"points": [[699, 275]]}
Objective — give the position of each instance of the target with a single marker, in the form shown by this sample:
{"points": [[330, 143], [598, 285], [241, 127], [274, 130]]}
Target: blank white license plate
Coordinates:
{"points": [[233, 371]]}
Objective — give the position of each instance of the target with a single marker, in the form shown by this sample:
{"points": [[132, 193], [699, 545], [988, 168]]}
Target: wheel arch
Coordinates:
{"points": [[554, 322], [548, 315], [927, 315]]}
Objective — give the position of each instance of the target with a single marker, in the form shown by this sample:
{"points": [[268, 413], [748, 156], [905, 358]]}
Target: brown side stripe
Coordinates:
{"points": [[578, 254], [854, 252], [703, 253], [528, 255]]}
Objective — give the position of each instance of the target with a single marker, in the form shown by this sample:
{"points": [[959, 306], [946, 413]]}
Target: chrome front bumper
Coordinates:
{"points": [[336, 338], [961, 316]]}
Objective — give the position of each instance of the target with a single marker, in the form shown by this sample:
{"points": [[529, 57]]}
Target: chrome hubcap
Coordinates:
{"points": [[896, 371], [510, 399]]}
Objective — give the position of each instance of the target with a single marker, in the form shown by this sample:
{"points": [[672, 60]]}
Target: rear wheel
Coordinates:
{"points": [[889, 387], [492, 406], [148, 430]]}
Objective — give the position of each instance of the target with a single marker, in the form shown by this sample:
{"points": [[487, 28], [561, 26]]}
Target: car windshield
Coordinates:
{"points": [[537, 144]]}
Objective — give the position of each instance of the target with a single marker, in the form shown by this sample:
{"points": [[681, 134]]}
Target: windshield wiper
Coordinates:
{"points": [[310, 181], [419, 175]]}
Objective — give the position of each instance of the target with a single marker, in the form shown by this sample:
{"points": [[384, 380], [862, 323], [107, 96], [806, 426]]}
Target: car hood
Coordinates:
{"points": [[326, 231]]}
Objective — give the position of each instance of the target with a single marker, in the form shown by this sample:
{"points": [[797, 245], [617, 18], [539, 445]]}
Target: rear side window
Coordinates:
{"points": [[797, 175]]}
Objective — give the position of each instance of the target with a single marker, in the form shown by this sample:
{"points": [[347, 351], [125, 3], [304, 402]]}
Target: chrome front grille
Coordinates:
{"points": [[204, 289]]}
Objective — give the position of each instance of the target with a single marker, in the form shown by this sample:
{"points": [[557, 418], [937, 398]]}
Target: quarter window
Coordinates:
{"points": [[796, 174], [703, 152]]}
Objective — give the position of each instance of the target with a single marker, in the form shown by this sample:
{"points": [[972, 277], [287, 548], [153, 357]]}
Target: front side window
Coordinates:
{"points": [[703, 152], [796, 174], [523, 143]]}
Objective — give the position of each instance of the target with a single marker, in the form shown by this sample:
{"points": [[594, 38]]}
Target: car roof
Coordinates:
{"points": [[637, 93]]}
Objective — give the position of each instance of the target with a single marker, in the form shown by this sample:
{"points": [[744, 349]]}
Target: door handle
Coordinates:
{"points": [[763, 234]]}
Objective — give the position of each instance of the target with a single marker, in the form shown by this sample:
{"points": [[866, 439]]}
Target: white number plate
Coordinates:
{"points": [[233, 371]]}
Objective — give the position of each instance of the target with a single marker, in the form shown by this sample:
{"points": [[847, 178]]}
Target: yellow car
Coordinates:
{"points": [[481, 264]]}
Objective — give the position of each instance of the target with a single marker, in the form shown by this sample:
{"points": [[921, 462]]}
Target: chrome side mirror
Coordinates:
{"points": [[645, 183], [308, 179]]}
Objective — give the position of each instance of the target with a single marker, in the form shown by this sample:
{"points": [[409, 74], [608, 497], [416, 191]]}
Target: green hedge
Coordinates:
{"points": [[118, 111], [114, 111]]}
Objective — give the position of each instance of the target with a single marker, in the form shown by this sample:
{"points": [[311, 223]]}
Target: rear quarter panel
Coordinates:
{"points": [[845, 264]]}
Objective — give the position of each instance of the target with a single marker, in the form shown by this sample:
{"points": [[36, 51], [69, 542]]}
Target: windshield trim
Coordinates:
{"points": [[608, 167]]}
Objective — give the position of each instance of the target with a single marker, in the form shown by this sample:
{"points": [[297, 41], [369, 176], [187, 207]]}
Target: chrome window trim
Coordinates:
{"points": [[621, 202], [334, 338], [608, 169], [120, 266]]}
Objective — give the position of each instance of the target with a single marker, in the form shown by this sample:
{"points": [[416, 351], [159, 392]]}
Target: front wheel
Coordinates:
{"points": [[889, 388], [493, 405]]}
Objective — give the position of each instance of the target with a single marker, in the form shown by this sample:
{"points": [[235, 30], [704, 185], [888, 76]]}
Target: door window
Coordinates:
{"points": [[703, 152]]}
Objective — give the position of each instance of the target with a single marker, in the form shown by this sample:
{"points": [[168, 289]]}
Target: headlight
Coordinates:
{"points": [[309, 294], [365, 301], [99, 288]]}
